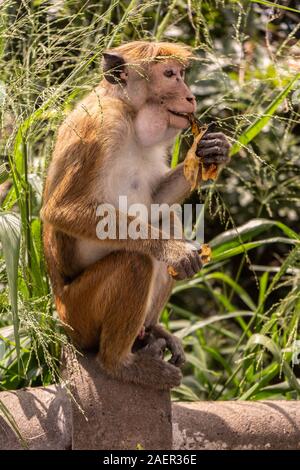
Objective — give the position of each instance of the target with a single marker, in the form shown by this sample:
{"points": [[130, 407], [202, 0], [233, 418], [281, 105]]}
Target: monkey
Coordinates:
{"points": [[115, 142]]}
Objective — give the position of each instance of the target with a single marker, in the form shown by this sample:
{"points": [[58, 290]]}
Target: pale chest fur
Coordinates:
{"points": [[134, 172]]}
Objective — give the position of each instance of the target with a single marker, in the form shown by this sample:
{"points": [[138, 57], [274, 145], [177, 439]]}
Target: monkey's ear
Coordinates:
{"points": [[114, 68]]}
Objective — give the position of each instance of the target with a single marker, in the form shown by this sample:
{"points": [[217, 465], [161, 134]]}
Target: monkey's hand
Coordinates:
{"points": [[213, 148], [182, 258]]}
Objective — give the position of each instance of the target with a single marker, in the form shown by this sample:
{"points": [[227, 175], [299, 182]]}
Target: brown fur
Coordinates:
{"points": [[106, 304]]}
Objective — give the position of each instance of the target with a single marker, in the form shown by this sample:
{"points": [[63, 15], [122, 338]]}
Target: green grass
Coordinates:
{"points": [[239, 317]]}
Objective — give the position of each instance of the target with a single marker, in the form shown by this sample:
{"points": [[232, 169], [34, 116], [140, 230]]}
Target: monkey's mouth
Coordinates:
{"points": [[176, 113]]}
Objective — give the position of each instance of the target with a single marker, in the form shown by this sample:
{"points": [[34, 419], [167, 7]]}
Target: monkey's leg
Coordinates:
{"points": [[163, 284], [111, 297]]}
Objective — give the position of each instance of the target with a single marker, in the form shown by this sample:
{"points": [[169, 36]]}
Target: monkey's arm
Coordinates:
{"points": [[172, 188], [76, 215]]}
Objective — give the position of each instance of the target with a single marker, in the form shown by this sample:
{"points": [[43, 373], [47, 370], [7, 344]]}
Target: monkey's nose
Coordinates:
{"points": [[190, 99]]}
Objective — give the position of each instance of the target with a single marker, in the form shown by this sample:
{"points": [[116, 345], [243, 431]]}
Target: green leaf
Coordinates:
{"points": [[249, 230], [165, 20], [270, 345], [263, 283], [176, 152], [263, 120], [186, 393], [10, 230], [236, 287], [265, 379], [39, 286], [219, 254], [219, 358], [215, 318], [195, 361]]}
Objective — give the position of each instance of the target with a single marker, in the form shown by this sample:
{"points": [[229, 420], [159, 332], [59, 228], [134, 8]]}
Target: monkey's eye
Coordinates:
{"points": [[169, 73], [182, 73]]}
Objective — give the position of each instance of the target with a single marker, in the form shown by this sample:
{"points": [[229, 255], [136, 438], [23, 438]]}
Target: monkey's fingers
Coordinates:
{"points": [[185, 271], [176, 349], [212, 151], [204, 257], [177, 359], [156, 348]]}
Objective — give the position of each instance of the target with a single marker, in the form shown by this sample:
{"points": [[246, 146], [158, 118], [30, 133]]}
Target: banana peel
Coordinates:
{"points": [[193, 164]]}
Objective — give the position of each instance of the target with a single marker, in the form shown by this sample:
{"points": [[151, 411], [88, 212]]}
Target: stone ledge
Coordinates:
{"points": [[116, 415], [47, 419], [43, 417], [236, 425]]}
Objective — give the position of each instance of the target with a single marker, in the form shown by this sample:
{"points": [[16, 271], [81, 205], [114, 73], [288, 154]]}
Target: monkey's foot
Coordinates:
{"points": [[146, 367], [155, 347], [150, 343], [173, 344], [164, 374]]}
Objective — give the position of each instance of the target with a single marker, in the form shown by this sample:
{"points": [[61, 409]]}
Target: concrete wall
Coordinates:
{"points": [[46, 421]]}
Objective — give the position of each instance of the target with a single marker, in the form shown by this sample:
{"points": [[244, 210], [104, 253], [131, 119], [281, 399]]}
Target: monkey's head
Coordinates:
{"points": [[149, 76]]}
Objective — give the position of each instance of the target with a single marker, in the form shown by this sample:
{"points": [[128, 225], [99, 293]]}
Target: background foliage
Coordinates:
{"points": [[239, 318]]}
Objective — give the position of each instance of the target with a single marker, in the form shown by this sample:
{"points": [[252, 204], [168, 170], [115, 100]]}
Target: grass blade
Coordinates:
{"points": [[275, 5]]}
